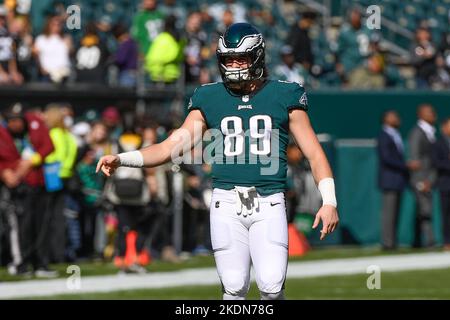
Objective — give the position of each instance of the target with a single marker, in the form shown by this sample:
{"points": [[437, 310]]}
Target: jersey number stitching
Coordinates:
{"points": [[237, 135]]}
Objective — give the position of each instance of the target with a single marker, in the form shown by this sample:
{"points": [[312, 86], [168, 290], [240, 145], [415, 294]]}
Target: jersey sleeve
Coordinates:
{"points": [[296, 97], [197, 102]]}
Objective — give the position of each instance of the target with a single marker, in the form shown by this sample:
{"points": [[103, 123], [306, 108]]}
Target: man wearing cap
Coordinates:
{"points": [[24, 143]]}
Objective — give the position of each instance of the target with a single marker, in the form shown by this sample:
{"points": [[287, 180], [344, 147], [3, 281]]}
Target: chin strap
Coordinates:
{"points": [[246, 200]]}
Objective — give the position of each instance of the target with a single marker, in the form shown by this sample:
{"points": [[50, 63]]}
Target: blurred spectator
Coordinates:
{"points": [[126, 56], [9, 73], [441, 78], [177, 9], [112, 119], [163, 60], [289, 11], [21, 7], [444, 50], [369, 75], [23, 40], [128, 191], [300, 40], [104, 31], [91, 56], [81, 130], [290, 70], [423, 55], [227, 20], [196, 235], [196, 40], [25, 144], [302, 196], [353, 44], [218, 9], [423, 175], [147, 25], [92, 219], [158, 183], [52, 49], [64, 155], [441, 157], [392, 176]]}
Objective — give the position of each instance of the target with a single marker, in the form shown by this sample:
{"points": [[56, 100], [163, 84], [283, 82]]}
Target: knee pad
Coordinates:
{"points": [[271, 282], [234, 285], [272, 296]]}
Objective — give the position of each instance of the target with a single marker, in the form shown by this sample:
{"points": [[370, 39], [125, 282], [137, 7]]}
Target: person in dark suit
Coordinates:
{"points": [[423, 174], [441, 160], [392, 176]]}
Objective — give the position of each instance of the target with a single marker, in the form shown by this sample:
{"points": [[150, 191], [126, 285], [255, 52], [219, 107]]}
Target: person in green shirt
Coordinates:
{"points": [[147, 25], [353, 43]]}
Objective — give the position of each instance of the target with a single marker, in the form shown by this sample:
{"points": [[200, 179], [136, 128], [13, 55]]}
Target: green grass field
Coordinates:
{"points": [[108, 268], [425, 284]]}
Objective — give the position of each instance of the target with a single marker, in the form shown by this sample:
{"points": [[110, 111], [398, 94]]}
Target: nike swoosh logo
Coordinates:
{"points": [[274, 204]]}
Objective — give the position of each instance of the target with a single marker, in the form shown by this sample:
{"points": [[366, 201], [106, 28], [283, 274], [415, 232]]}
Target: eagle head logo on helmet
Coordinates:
{"points": [[241, 40]]}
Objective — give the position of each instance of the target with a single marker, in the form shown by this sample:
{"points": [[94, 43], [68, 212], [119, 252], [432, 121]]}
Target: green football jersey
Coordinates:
{"points": [[250, 133]]}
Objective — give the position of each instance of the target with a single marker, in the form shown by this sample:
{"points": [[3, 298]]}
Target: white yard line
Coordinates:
{"points": [[208, 276]]}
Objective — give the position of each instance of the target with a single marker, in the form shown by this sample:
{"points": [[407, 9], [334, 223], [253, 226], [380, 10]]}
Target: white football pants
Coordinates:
{"points": [[259, 238]]}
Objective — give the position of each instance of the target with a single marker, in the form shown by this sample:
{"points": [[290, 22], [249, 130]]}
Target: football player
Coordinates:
{"points": [[252, 117]]}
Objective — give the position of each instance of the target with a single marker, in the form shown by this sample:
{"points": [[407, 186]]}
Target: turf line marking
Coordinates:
{"points": [[208, 276]]}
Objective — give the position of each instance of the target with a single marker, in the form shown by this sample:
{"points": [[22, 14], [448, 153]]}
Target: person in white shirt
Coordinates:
{"points": [[52, 50]]}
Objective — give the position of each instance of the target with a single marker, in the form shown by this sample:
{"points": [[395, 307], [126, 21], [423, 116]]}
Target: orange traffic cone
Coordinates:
{"points": [[298, 244], [144, 258], [130, 255]]}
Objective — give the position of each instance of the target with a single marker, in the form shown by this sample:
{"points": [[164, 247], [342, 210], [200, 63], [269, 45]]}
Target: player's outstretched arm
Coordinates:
{"points": [[180, 141], [306, 139]]}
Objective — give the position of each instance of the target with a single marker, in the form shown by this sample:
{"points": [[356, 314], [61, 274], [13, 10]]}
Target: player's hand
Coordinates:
{"points": [[108, 164], [329, 216]]}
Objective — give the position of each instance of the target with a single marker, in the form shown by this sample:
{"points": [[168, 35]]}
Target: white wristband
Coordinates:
{"points": [[133, 159], [326, 188]]}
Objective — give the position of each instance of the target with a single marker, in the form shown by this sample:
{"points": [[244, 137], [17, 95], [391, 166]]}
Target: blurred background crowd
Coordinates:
{"points": [[121, 42], [55, 208]]}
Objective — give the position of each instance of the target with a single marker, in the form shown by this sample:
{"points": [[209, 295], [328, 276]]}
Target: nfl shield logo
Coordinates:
{"points": [[303, 99], [245, 98]]}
